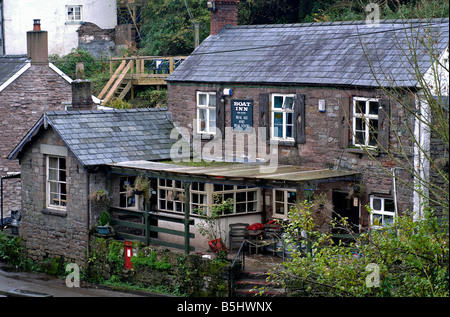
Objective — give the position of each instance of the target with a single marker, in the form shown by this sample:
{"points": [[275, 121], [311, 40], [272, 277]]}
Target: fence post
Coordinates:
{"points": [[187, 211]]}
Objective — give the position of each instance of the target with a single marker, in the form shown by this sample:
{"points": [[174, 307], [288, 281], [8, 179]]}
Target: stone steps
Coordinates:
{"points": [[252, 284]]}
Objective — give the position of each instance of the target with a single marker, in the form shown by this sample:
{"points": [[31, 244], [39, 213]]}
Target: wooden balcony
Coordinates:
{"points": [[128, 72]]}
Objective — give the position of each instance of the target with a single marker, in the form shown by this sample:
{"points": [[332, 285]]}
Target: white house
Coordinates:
{"points": [[60, 18]]}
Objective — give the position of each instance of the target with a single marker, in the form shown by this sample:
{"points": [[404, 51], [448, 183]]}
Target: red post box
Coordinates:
{"points": [[128, 254]]}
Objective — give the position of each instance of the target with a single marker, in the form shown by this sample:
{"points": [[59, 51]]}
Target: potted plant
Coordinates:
{"points": [[103, 223], [141, 186]]}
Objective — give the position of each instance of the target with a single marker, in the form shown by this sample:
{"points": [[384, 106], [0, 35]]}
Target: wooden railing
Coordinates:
{"points": [[143, 222], [137, 70]]}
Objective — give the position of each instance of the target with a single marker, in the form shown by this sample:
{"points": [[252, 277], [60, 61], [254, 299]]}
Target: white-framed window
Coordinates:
{"points": [[365, 121], [199, 198], [283, 201], [203, 195], [170, 195], [56, 186], [206, 112], [383, 211], [282, 117], [245, 199], [128, 199], [74, 13]]}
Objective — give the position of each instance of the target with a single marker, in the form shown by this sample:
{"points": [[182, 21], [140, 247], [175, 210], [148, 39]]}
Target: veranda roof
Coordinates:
{"points": [[244, 174]]}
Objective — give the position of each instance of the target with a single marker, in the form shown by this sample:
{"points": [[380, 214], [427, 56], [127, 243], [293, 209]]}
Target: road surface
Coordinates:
{"points": [[25, 282]]}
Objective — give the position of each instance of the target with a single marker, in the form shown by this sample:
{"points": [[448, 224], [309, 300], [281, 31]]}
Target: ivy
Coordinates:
{"points": [[143, 261]]}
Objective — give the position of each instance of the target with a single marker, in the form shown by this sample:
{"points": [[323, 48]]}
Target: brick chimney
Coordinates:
{"points": [[37, 44], [223, 12]]}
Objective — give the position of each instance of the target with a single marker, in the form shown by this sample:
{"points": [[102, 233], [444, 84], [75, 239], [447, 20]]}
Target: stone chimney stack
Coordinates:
{"points": [[81, 91], [37, 44], [223, 12]]}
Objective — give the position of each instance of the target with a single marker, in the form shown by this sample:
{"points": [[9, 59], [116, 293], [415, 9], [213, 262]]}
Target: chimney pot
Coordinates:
{"points": [[36, 25]]}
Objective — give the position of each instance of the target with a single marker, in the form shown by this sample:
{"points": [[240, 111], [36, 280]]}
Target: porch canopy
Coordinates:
{"points": [[243, 174]]}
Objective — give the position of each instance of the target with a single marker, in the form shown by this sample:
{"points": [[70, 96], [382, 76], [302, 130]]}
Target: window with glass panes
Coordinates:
{"points": [[383, 211], [170, 195], [199, 198], [56, 182], [365, 121], [127, 199], [283, 201], [206, 112], [282, 116], [245, 199], [74, 13]]}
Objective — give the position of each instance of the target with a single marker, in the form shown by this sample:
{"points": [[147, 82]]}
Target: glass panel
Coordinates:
{"points": [[278, 102], [291, 197], [360, 138], [252, 206], [54, 199], [279, 195], [202, 119], [279, 208], [62, 163], [53, 162], [360, 107], [289, 129], [289, 103], [360, 124], [218, 187], [373, 132], [388, 220], [289, 118], [202, 99], [278, 131], [373, 107], [241, 197], [240, 208], [62, 175], [377, 220], [228, 187], [53, 175], [376, 204], [389, 205], [212, 120], [251, 196], [212, 100]]}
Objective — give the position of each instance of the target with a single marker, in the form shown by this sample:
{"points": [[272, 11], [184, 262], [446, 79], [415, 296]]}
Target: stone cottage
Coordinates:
{"points": [[63, 159], [30, 86], [317, 91]]}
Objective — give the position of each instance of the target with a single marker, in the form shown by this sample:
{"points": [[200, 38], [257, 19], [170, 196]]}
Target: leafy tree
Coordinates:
{"points": [[407, 258], [168, 28]]}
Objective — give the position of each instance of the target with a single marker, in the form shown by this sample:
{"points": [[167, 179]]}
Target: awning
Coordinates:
{"points": [[244, 174]]}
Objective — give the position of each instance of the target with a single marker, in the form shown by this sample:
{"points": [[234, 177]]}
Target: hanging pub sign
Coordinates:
{"points": [[242, 115]]}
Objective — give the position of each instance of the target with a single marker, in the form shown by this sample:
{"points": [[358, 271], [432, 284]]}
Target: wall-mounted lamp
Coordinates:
{"points": [[322, 105], [228, 92], [211, 6]]}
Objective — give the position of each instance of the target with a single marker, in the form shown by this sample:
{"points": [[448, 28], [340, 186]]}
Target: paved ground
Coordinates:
{"points": [[45, 284]]}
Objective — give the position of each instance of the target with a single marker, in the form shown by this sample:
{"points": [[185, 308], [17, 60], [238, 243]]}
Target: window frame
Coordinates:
{"points": [[381, 212], [365, 117], [285, 112], [176, 191], [74, 9], [60, 184], [208, 107], [123, 192], [286, 204]]}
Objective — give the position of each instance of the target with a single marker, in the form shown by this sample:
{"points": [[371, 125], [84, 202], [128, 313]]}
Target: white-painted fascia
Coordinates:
{"points": [[15, 76]]}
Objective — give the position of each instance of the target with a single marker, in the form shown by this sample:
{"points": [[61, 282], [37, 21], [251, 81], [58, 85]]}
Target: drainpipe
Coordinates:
{"points": [[394, 189], [2, 29], [88, 208]]}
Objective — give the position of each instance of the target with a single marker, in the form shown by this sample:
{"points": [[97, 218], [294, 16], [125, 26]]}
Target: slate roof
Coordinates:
{"points": [[98, 137], [10, 65], [310, 53]]}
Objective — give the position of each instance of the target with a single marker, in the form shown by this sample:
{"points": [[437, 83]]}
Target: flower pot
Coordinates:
{"points": [[104, 230]]}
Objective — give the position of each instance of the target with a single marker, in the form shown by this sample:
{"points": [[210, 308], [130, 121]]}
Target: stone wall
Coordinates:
{"points": [[322, 148], [48, 232], [189, 275], [22, 103], [95, 40]]}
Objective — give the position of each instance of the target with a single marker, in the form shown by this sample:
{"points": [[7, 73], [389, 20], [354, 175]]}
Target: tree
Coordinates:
{"points": [[408, 258], [168, 27]]}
